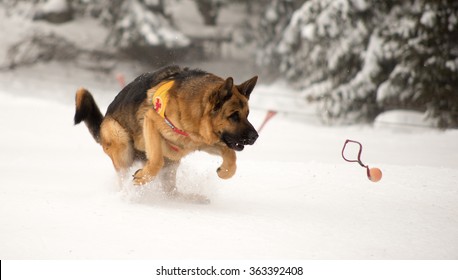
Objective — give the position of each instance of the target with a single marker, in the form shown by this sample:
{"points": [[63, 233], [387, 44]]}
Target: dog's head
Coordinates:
{"points": [[230, 113]]}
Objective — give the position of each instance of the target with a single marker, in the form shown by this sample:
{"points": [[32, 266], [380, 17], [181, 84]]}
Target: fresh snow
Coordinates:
{"points": [[293, 196]]}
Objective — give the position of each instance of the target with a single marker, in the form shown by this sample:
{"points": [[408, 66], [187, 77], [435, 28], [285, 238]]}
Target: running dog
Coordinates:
{"points": [[163, 116]]}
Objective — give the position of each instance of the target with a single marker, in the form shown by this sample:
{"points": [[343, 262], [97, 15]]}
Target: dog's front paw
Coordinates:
{"points": [[226, 173], [142, 177]]}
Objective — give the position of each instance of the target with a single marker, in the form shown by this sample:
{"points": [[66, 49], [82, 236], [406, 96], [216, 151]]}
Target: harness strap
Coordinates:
{"points": [[174, 128]]}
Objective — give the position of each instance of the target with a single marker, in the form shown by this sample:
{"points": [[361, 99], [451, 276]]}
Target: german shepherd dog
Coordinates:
{"points": [[162, 116]]}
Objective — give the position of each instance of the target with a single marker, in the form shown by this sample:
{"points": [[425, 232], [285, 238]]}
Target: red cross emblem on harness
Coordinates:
{"points": [[158, 104]]}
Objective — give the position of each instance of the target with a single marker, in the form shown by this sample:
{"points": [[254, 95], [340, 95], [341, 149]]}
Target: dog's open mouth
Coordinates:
{"points": [[232, 142], [237, 144]]}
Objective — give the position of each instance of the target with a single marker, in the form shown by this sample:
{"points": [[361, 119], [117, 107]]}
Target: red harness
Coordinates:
{"points": [[176, 130]]}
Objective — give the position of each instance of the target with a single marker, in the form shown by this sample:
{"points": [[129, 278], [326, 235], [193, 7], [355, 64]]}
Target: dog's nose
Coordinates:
{"points": [[251, 137]]}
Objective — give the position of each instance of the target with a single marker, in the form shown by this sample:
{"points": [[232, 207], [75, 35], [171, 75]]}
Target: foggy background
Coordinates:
{"points": [[351, 59]]}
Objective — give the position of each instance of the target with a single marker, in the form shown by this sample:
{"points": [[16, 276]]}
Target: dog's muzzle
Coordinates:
{"points": [[238, 143]]}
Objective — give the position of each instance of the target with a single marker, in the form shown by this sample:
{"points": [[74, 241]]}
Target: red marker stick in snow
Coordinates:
{"points": [[270, 114], [374, 174], [121, 80]]}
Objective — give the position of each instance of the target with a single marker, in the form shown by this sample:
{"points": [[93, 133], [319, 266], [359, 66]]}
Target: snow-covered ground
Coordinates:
{"points": [[293, 196]]}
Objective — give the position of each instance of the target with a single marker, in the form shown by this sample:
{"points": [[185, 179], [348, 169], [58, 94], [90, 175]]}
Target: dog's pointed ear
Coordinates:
{"points": [[228, 84], [223, 94], [247, 87]]}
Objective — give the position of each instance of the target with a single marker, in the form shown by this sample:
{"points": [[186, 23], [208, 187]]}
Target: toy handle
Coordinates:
{"points": [[358, 160]]}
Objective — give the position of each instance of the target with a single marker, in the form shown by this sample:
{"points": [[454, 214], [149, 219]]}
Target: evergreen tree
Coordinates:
{"points": [[139, 24], [273, 21], [425, 59], [140, 27], [357, 58]]}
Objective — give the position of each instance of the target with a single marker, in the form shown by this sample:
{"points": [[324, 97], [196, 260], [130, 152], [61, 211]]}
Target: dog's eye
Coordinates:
{"points": [[234, 117]]}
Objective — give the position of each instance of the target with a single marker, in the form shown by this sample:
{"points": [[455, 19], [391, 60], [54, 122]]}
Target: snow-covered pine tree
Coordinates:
{"points": [[142, 28], [326, 50], [423, 35], [273, 22], [358, 58], [54, 11]]}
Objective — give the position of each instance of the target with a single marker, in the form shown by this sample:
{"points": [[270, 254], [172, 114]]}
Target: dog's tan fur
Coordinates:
{"points": [[212, 111]]}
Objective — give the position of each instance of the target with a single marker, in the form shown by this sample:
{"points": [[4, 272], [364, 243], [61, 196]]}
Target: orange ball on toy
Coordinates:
{"points": [[375, 174]]}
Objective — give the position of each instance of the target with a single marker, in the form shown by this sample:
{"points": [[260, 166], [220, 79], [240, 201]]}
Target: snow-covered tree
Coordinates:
{"points": [[55, 11], [423, 40], [323, 50], [273, 21], [139, 27], [360, 57], [141, 23]]}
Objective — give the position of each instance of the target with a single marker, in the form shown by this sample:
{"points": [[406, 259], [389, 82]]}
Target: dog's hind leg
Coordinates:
{"points": [[153, 149], [117, 144]]}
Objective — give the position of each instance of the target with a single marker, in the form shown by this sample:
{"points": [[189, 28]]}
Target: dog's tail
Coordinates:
{"points": [[88, 111]]}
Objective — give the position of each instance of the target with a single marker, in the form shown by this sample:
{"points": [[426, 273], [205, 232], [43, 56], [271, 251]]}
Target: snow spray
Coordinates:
{"points": [[374, 174]]}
